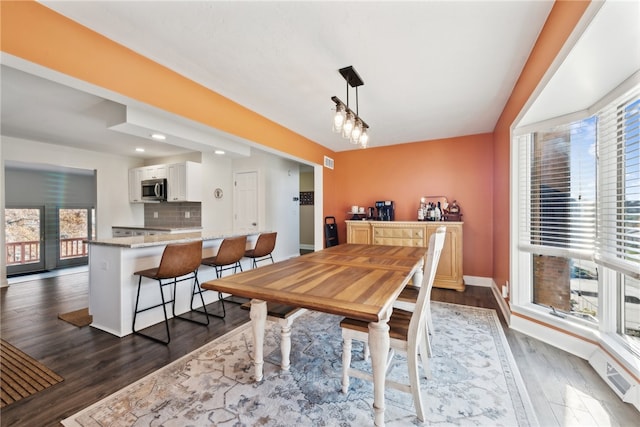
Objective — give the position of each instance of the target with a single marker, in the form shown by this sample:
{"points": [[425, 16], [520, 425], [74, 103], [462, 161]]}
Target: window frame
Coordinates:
{"points": [[606, 332]]}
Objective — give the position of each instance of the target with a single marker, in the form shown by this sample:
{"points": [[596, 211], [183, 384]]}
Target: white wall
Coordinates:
{"points": [[217, 172], [279, 183], [3, 255], [112, 176]]}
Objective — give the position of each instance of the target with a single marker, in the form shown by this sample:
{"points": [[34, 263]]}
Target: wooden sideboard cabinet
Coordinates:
{"points": [[416, 233], [359, 232]]}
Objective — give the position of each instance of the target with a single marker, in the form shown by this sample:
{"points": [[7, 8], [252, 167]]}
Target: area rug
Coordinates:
{"points": [[475, 381], [78, 318], [21, 376]]}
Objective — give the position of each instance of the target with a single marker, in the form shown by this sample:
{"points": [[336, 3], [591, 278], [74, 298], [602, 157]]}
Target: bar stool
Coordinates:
{"points": [[228, 257], [262, 251], [179, 262]]}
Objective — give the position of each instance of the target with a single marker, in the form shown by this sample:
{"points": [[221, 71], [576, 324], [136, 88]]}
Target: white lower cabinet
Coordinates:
{"points": [[129, 232]]}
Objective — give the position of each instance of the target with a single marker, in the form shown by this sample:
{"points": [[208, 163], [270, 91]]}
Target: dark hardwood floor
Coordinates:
{"points": [[95, 364]]}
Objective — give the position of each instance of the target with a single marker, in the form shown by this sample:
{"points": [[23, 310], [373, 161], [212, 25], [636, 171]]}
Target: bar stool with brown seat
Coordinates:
{"points": [[228, 257], [179, 262], [264, 247]]}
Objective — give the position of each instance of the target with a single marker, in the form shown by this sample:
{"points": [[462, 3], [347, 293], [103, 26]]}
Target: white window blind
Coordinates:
{"points": [[558, 190], [618, 243]]}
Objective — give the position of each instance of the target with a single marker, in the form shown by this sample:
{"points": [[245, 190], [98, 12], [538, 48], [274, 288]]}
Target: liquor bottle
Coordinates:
{"points": [[438, 212]]}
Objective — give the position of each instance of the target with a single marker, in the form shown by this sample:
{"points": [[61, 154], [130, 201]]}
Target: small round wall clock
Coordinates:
{"points": [[218, 193]]}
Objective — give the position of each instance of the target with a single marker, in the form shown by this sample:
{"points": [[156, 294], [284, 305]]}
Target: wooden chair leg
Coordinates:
{"points": [[414, 380], [285, 344], [346, 363], [425, 354]]}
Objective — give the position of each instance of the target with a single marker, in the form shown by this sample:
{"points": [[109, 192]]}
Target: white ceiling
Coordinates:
{"points": [[432, 69]]}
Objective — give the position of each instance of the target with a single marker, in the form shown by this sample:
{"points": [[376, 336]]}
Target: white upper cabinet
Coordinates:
{"points": [[154, 172], [135, 189], [184, 182]]}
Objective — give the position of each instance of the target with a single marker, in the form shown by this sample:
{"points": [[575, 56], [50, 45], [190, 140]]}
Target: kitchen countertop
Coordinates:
{"points": [[158, 228], [133, 242]]}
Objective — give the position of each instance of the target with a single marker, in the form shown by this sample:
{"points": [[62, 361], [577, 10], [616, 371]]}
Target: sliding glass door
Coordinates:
{"points": [[24, 232], [75, 225]]}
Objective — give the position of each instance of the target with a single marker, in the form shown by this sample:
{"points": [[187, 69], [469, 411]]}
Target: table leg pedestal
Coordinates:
{"points": [[379, 348], [258, 316]]}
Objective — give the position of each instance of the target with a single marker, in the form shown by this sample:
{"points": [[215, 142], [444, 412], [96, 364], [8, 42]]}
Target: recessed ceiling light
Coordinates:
{"points": [[219, 152], [158, 136], [140, 150]]}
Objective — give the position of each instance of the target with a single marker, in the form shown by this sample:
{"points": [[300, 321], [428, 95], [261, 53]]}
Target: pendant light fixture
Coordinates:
{"points": [[345, 120]]}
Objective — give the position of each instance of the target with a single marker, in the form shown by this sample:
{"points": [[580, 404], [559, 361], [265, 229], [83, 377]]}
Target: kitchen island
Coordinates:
{"points": [[113, 285]]}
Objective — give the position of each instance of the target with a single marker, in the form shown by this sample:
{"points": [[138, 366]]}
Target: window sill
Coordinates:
{"points": [[584, 339]]}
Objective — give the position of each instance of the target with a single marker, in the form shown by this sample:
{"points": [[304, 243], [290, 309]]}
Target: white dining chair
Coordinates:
{"points": [[406, 332]]}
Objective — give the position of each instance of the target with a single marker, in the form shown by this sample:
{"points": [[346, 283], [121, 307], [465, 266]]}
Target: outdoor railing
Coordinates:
{"points": [[29, 252], [73, 248], [23, 252]]}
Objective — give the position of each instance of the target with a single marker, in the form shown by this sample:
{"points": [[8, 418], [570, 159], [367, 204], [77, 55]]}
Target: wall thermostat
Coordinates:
{"points": [[218, 193]]}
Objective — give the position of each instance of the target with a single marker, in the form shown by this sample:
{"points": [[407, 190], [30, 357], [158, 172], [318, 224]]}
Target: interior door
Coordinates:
{"points": [[24, 237], [245, 202]]}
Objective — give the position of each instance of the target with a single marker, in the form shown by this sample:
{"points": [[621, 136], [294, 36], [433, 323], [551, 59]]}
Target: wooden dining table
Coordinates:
{"points": [[352, 280]]}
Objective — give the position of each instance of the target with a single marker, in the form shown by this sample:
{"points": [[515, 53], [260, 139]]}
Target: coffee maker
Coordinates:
{"points": [[385, 210]]}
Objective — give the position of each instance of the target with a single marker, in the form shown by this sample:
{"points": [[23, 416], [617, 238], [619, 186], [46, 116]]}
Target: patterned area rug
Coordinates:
{"points": [[475, 381]]}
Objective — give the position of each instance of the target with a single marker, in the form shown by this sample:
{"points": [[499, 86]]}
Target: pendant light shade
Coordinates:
{"points": [[346, 121], [339, 118]]}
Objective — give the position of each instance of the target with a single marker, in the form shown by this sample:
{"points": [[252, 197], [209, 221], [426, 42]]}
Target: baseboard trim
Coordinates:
{"points": [[478, 281], [488, 282]]}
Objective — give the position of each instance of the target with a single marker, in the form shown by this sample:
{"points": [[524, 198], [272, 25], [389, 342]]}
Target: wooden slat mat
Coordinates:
{"points": [[22, 376]]}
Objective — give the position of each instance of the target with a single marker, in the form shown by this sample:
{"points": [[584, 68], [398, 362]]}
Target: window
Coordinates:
{"points": [[559, 230], [618, 246], [579, 216]]}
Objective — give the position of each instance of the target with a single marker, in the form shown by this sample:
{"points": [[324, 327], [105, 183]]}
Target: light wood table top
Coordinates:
{"points": [[351, 280]]}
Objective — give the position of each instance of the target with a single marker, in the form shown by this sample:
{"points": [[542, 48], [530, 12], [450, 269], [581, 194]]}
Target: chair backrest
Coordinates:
{"points": [[231, 250], [179, 259], [417, 324], [265, 244]]}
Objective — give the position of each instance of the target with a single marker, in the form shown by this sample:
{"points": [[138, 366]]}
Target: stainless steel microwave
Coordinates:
{"points": [[154, 190]]}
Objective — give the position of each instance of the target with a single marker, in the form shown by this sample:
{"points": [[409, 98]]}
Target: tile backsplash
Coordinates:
{"points": [[173, 214]]}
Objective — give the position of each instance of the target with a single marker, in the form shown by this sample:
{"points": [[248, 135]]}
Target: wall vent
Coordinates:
{"points": [[328, 162], [617, 380]]}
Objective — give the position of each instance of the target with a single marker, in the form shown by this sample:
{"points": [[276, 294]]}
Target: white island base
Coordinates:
{"points": [[113, 284]]}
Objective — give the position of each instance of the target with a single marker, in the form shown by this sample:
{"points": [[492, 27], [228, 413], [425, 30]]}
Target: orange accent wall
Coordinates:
{"points": [[37, 34], [562, 19], [458, 168]]}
